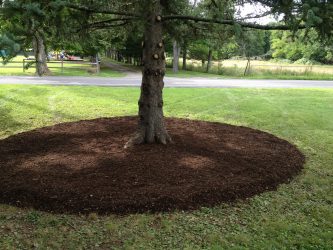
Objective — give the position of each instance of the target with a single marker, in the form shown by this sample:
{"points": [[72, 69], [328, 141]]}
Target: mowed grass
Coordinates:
{"points": [[70, 68], [298, 215]]}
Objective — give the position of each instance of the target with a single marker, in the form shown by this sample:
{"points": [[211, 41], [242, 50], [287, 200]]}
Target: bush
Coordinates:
{"points": [[306, 61], [277, 60]]}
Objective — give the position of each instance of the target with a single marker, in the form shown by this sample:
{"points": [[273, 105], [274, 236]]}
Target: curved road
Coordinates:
{"points": [[134, 80]]}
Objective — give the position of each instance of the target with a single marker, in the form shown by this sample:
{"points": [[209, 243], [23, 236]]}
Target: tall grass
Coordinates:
{"points": [[260, 69]]}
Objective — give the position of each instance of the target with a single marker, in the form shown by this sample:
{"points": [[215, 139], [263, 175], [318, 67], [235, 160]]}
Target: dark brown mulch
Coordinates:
{"points": [[82, 167]]}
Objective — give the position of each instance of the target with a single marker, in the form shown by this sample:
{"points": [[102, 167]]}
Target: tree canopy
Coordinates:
{"points": [[184, 20]]}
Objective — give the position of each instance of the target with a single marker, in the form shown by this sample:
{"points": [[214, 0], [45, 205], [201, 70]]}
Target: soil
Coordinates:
{"points": [[82, 167]]}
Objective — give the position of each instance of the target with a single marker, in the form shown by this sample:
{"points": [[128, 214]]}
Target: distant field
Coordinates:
{"points": [[262, 69], [266, 65]]}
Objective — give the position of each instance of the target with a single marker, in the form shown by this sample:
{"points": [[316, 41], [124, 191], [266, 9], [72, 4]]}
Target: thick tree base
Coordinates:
{"points": [[82, 167], [46, 72], [141, 137]]}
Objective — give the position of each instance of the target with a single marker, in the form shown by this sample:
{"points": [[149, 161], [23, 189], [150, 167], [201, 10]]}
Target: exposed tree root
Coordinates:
{"points": [[143, 136]]}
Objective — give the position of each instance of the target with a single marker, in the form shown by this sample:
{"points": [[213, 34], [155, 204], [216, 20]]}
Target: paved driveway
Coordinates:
{"points": [[134, 80]]}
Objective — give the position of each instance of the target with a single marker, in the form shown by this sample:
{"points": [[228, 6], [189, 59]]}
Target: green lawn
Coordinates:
{"points": [[297, 216]]}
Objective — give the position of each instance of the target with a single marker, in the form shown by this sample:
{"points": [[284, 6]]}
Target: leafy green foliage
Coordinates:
{"points": [[199, 50], [303, 45], [253, 43], [317, 14]]}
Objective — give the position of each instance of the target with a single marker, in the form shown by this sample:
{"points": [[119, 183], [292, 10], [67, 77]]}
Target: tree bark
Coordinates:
{"points": [[209, 62], [151, 126], [176, 52], [184, 56], [40, 55]]}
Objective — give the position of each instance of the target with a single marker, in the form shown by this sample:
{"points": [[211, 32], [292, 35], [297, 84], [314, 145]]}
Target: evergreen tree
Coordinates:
{"points": [[153, 15], [31, 23]]}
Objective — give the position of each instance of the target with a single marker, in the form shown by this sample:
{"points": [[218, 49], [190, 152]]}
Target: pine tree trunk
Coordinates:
{"points": [[176, 52], [40, 55], [151, 126], [209, 63]]}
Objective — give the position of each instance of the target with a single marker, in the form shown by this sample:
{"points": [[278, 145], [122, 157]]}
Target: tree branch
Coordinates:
{"points": [[255, 16], [112, 20], [107, 26], [92, 10], [232, 22]]}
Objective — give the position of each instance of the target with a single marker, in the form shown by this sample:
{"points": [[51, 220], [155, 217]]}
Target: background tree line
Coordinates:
{"points": [[301, 47]]}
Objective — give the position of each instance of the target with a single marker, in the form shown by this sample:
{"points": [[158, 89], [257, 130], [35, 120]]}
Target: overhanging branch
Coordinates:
{"points": [[232, 22], [267, 13], [107, 26], [112, 20]]}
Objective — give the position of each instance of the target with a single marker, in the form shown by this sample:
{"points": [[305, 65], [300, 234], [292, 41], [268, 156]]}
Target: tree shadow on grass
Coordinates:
{"points": [[26, 105], [8, 124], [125, 96]]}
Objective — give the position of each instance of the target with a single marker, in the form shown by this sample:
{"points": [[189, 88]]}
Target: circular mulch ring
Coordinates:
{"points": [[82, 167]]}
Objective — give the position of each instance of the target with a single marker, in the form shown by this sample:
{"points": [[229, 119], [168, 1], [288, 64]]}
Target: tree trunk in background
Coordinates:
{"points": [[40, 55], [151, 126], [176, 52], [109, 53], [119, 57], [209, 63], [247, 68], [184, 56]]}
